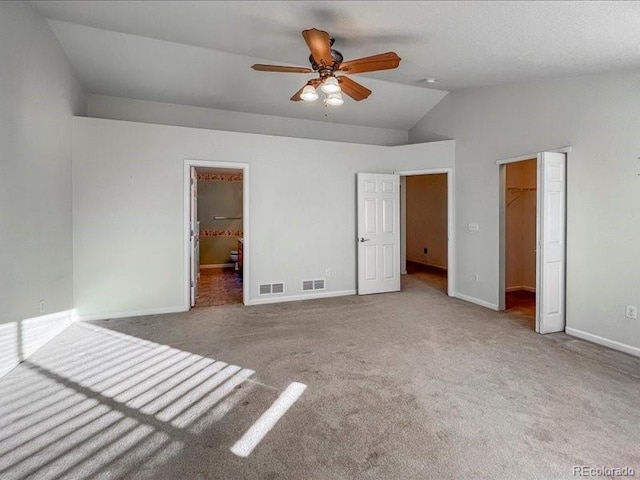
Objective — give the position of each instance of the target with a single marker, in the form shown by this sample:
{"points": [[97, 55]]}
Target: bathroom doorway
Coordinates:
{"points": [[217, 233]]}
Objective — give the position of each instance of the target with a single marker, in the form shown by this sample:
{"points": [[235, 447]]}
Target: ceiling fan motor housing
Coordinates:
{"points": [[336, 60]]}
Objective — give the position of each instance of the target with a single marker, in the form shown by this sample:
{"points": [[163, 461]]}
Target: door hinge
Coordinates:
{"points": [[191, 232], [192, 283]]}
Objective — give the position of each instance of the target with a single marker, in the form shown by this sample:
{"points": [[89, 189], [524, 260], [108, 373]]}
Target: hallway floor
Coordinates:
{"points": [[431, 276], [219, 286], [523, 304]]}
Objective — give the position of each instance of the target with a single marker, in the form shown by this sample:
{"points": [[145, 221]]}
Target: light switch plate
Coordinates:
{"points": [[474, 227]]}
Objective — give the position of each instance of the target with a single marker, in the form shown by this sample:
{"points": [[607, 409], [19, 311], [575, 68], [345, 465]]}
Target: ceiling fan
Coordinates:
{"points": [[326, 62]]}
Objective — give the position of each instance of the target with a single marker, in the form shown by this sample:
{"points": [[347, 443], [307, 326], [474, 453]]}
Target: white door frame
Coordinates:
{"points": [[194, 231], [502, 212], [246, 247], [451, 230]]}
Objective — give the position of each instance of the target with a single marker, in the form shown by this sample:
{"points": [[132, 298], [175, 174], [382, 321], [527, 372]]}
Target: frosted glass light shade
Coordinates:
{"points": [[330, 85], [309, 94], [334, 99]]}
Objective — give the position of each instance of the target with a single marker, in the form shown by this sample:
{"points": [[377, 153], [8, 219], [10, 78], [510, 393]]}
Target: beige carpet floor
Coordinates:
{"points": [[409, 385]]}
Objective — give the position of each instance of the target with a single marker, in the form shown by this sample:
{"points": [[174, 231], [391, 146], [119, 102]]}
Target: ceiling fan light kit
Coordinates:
{"points": [[309, 93], [334, 99], [330, 85], [326, 61]]}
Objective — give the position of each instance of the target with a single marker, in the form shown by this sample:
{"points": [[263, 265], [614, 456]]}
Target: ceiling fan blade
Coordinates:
{"points": [[296, 96], [353, 88], [315, 82], [320, 46], [280, 68], [382, 61]]}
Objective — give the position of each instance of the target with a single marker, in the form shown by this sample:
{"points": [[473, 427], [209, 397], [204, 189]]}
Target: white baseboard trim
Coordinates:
{"points": [[136, 313], [477, 301], [520, 288], [217, 265], [21, 339], [622, 347], [296, 298]]}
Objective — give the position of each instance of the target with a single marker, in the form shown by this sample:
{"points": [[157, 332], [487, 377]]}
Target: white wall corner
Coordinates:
{"points": [[22, 338]]}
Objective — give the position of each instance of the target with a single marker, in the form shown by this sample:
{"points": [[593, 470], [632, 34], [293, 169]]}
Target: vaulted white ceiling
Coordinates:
{"points": [[199, 53]]}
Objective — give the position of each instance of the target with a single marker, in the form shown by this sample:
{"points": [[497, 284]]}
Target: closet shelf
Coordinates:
{"points": [[227, 218], [518, 193]]}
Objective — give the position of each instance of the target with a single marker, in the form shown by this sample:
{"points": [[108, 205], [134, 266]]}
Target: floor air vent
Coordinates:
{"points": [[270, 288], [308, 285]]}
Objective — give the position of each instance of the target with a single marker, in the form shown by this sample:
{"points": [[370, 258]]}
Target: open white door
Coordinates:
{"points": [[378, 233], [550, 277], [194, 235]]}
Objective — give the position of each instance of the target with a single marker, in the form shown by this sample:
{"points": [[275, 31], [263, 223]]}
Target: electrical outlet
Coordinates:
{"points": [[474, 227], [41, 306], [475, 277], [425, 250], [631, 312]]}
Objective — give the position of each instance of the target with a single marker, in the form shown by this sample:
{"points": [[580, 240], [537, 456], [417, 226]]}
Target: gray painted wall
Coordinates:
{"points": [[302, 209], [599, 116], [38, 96], [116, 108]]}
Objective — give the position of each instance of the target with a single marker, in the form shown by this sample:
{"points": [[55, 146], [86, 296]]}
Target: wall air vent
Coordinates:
{"points": [[309, 285], [271, 288]]}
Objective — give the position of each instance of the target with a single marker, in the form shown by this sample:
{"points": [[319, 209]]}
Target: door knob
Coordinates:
{"points": [[362, 239]]}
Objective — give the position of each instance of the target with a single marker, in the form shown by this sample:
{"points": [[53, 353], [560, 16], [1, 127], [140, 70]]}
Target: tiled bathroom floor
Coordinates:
{"points": [[219, 286]]}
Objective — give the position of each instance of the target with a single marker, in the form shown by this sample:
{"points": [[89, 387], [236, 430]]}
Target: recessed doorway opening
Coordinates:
{"points": [[220, 236], [533, 267], [520, 239], [216, 233], [427, 227]]}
